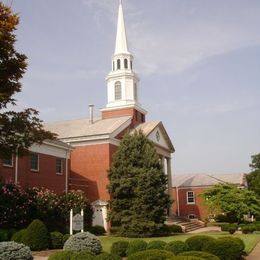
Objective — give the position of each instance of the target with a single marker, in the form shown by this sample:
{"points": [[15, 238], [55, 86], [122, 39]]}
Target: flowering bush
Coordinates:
{"points": [[15, 206]]}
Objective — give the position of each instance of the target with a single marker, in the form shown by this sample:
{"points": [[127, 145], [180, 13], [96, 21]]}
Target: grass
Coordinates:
{"points": [[250, 240]]}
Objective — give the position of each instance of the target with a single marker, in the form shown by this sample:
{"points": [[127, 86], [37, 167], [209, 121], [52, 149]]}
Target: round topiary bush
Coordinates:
{"points": [[119, 248], [196, 243], [18, 236], [12, 250], [153, 254], [185, 258], [97, 230], [176, 247], [226, 248], [36, 236], [106, 256], [136, 246], [156, 244], [83, 255], [56, 240], [83, 242], [203, 255], [64, 255]]}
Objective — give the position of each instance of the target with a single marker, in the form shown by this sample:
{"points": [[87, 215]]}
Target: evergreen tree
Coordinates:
{"points": [[18, 130], [137, 187], [253, 178]]}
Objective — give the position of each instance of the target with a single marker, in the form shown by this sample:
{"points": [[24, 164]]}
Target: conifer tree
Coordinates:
{"points": [[18, 130], [139, 201]]}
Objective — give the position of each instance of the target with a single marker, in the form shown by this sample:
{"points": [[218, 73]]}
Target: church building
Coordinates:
{"points": [[95, 140]]}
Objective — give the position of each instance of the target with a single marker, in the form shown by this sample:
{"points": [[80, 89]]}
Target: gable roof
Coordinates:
{"points": [[148, 127], [83, 127], [200, 180]]}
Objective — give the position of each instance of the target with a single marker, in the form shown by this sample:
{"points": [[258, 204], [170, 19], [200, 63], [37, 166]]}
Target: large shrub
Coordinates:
{"points": [[153, 254], [156, 244], [64, 255], [12, 250], [177, 247], [56, 240], [197, 242], [119, 248], [36, 236], [249, 228], [83, 242], [175, 228], [65, 238], [204, 255], [136, 246], [106, 256], [185, 258], [18, 236], [226, 248], [4, 235]]}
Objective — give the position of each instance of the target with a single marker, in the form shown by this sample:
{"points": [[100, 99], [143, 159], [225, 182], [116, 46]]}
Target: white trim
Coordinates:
{"points": [[112, 141], [187, 198], [122, 107]]}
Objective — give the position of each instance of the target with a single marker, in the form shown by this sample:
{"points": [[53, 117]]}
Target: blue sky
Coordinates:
{"points": [[199, 64]]}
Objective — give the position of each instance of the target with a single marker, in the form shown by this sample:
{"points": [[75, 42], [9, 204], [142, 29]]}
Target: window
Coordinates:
{"points": [[34, 162], [131, 65], [113, 65], [118, 91], [190, 197], [118, 64], [135, 91], [126, 63], [59, 166], [8, 161]]}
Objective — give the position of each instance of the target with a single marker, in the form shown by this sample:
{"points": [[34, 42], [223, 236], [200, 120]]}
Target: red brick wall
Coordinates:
{"points": [[199, 209], [137, 116], [45, 177], [89, 165]]}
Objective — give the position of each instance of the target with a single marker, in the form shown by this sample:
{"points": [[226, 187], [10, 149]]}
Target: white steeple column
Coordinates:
{"points": [[122, 81]]}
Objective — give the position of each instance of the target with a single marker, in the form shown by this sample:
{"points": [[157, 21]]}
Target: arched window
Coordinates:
{"points": [[126, 63], [113, 65], [131, 65], [118, 90], [118, 64]]}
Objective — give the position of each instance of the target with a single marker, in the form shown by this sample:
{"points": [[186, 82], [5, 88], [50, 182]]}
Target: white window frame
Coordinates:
{"points": [[188, 197], [38, 164], [9, 165], [62, 166]]}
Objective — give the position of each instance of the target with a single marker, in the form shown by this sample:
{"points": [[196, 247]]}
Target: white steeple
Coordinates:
{"points": [[122, 81], [121, 38]]}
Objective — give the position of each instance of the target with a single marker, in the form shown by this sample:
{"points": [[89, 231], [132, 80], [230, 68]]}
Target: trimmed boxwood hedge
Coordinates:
{"points": [[106, 256], [204, 255], [153, 254], [36, 236], [226, 248], [136, 246], [119, 248], [176, 247], [156, 244], [83, 255], [97, 230], [196, 243], [56, 240], [63, 255]]}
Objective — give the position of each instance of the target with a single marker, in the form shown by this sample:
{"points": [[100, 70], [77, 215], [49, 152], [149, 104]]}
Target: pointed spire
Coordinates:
{"points": [[121, 39]]}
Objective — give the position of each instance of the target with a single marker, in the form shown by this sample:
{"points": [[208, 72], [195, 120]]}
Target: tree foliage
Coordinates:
{"points": [[253, 178], [18, 130], [229, 199], [137, 187]]}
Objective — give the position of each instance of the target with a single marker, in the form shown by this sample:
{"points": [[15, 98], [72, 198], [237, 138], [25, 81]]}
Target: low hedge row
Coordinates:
{"points": [[245, 228], [224, 248]]}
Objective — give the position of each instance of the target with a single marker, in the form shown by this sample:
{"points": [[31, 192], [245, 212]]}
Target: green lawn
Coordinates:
{"points": [[250, 240]]}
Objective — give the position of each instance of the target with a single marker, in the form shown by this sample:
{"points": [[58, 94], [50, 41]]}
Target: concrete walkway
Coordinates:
{"points": [[205, 229], [255, 254], [40, 257]]}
